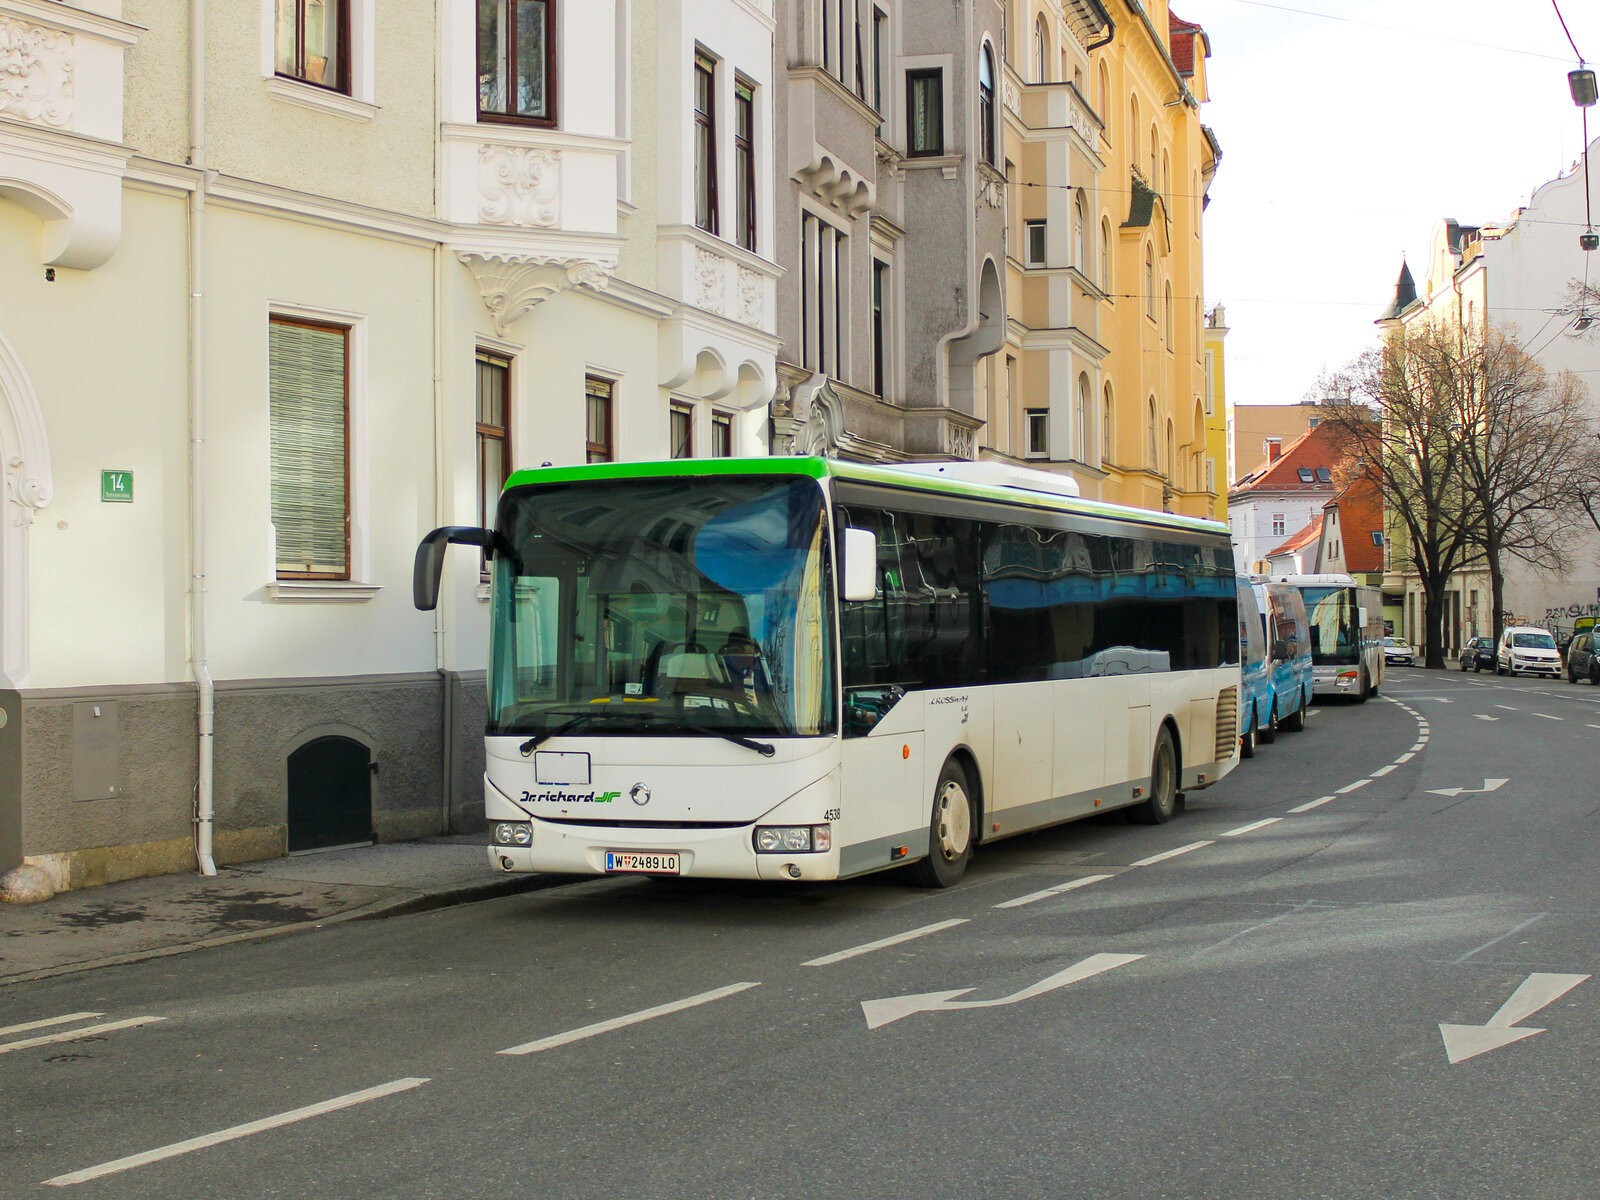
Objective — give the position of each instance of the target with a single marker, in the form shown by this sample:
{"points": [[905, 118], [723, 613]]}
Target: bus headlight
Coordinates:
{"points": [[792, 839], [512, 833]]}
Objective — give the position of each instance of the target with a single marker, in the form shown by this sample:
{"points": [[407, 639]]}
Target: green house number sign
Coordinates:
{"points": [[116, 487]]}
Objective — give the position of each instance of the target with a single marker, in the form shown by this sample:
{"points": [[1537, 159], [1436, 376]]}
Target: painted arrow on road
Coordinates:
{"points": [[1483, 717], [1462, 1042], [1489, 785], [882, 1012]]}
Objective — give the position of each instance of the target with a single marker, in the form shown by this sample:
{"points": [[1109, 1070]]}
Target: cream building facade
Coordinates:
{"points": [[272, 310]]}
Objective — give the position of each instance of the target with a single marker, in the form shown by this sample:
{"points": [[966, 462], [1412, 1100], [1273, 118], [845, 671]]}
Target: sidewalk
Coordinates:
{"points": [[168, 914]]}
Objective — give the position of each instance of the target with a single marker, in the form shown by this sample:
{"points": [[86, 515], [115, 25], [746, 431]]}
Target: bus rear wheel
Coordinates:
{"points": [[949, 831], [1268, 733], [1162, 803], [1296, 721]]}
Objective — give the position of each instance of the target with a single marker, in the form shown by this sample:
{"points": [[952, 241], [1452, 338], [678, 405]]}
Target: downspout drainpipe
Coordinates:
{"points": [[204, 804], [447, 696]]}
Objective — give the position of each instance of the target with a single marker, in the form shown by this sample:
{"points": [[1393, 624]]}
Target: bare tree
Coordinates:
{"points": [[1524, 430], [1402, 420]]}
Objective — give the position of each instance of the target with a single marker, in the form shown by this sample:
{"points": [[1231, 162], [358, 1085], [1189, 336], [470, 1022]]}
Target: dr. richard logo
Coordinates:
{"points": [[569, 797]]}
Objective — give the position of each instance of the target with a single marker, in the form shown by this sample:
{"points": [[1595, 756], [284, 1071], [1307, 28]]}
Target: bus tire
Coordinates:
{"points": [[1269, 732], [950, 831], [1364, 690], [1162, 803], [1296, 721], [1247, 739]]}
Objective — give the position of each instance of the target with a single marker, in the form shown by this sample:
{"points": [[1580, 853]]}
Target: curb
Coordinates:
{"points": [[397, 906]]}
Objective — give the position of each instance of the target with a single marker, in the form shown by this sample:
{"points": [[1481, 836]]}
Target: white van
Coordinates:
{"points": [[1529, 650]]}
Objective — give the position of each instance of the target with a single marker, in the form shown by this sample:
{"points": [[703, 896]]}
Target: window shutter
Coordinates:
{"points": [[307, 366]]}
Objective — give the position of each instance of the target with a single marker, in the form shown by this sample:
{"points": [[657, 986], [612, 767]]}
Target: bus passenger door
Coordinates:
{"points": [[882, 806]]}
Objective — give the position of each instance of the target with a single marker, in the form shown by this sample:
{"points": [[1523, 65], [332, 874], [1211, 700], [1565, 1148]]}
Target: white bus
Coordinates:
{"points": [[1346, 634], [795, 668]]}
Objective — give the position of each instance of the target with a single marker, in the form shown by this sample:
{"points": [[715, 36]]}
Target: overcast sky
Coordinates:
{"points": [[1345, 136]]}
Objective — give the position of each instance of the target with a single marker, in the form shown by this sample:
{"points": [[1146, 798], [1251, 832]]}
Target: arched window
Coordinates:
{"points": [[986, 105], [1105, 253], [1171, 466], [1150, 432], [1167, 316], [1041, 50], [1104, 95], [1080, 248], [1105, 426], [1149, 282], [1166, 178], [1080, 432], [1155, 149]]}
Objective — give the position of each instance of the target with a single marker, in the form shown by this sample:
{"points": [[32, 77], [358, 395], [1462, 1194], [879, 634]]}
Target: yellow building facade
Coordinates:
{"points": [[1103, 372], [1219, 413]]}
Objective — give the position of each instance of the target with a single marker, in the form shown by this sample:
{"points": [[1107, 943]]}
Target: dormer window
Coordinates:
{"points": [[1324, 475], [1305, 475]]}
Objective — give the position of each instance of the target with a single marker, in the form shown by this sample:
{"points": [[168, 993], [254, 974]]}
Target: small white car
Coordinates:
{"points": [[1397, 652], [1527, 650]]}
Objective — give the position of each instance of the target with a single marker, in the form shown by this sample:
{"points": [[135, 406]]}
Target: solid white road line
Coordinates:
{"points": [[74, 1034], [660, 1010], [1508, 708], [1548, 717], [1070, 885], [1350, 787], [1314, 804], [1166, 854], [1252, 827], [827, 960], [83, 1016], [238, 1131]]}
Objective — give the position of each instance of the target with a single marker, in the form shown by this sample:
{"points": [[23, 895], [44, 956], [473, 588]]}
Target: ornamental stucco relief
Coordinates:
{"points": [[750, 305], [35, 73], [518, 185], [512, 284], [710, 281]]}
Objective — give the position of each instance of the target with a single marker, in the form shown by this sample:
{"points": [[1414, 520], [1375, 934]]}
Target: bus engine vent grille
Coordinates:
{"points": [[1227, 723]]}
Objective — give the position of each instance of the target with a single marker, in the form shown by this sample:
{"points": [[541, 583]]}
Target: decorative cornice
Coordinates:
{"points": [[512, 284], [836, 184], [55, 15]]}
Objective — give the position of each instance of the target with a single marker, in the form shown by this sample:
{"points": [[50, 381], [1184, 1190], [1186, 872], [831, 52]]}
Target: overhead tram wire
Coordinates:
{"points": [[1441, 37]]}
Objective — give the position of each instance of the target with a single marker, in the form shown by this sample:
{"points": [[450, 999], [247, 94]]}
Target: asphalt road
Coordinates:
{"points": [[1245, 1002]]}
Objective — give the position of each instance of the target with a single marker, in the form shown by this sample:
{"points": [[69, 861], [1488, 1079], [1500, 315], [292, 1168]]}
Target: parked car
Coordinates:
{"points": [[1397, 652], [1287, 633], [1477, 654], [1581, 660], [1529, 650]]}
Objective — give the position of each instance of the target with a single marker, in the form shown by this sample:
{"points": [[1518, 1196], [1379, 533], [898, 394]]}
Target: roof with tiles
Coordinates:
{"points": [[1360, 508], [1306, 464], [1181, 35]]}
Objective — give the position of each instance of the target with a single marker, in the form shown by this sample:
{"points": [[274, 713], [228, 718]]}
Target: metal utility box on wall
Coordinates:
{"points": [[96, 755]]}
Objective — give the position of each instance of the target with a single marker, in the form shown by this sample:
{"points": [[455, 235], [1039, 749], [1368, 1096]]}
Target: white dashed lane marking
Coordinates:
{"points": [[827, 960]]}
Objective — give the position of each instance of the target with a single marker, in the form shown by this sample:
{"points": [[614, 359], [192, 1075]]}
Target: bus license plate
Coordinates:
{"points": [[641, 863]]}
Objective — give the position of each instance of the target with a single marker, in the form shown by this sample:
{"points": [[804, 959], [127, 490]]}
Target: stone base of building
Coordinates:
{"points": [[98, 785]]}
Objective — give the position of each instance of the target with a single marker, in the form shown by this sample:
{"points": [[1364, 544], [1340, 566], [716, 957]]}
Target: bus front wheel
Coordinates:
{"points": [[949, 832], [1163, 800]]}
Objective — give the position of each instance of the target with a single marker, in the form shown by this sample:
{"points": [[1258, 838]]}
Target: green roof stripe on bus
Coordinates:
{"points": [[824, 468]]}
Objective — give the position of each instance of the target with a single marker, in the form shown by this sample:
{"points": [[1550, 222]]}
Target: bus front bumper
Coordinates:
{"points": [[705, 853]]}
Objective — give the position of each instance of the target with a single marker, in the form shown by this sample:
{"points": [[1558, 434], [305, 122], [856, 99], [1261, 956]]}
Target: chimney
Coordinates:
{"points": [[1274, 449]]}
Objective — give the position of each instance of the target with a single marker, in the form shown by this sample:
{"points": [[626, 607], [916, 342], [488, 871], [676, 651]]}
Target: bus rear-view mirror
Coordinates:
{"points": [[429, 567], [860, 568]]}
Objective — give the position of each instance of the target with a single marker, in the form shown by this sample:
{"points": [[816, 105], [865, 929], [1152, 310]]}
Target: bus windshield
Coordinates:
{"points": [[1335, 633], [662, 607]]}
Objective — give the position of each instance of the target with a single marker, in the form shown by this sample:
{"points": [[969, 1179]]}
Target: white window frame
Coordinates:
{"points": [[361, 102], [1029, 259]]}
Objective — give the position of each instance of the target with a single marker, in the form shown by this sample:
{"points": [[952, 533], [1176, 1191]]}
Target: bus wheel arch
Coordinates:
{"points": [[968, 762], [1166, 774]]}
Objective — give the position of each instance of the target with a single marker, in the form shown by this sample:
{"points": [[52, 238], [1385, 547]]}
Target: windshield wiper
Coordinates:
{"points": [[765, 749]]}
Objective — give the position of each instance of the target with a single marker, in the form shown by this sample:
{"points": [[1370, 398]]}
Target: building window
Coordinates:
{"points": [[1151, 451], [1035, 242], [1105, 255], [880, 326], [313, 42], [1081, 432], [1041, 51], [721, 435], [1155, 150], [309, 399], [1172, 458], [744, 160], [1377, 540], [924, 112], [705, 142], [1278, 525], [680, 431], [1211, 384], [1211, 475], [516, 61], [1106, 411], [830, 14], [1149, 283], [880, 25], [1166, 315], [1038, 432], [986, 138], [1080, 247], [599, 419], [494, 434], [823, 260]]}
